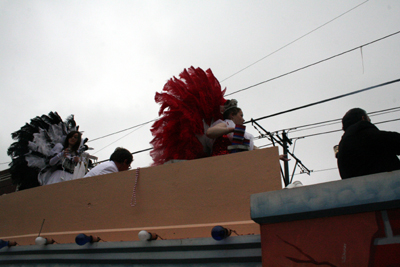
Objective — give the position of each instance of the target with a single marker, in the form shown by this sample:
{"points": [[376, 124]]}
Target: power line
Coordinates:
{"points": [[294, 41], [133, 153], [301, 137], [142, 124], [323, 123], [374, 113], [263, 81], [322, 170], [310, 126], [279, 113], [322, 101], [255, 84], [384, 111], [327, 132], [312, 64], [321, 133], [316, 125], [327, 100], [119, 138], [140, 151], [335, 121], [267, 145]]}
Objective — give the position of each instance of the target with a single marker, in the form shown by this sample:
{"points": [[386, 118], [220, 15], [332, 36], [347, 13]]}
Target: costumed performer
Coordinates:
{"points": [[221, 131], [40, 141], [65, 158], [189, 105]]}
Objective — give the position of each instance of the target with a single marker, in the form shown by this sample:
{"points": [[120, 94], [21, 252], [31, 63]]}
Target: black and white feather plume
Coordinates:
{"points": [[31, 152]]}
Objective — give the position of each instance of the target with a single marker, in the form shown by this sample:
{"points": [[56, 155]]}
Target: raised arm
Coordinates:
{"points": [[58, 153], [218, 130]]}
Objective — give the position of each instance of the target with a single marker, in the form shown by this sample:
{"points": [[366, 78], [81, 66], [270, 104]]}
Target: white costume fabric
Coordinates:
{"points": [[231, 124], [103, 168], [55, 175]]}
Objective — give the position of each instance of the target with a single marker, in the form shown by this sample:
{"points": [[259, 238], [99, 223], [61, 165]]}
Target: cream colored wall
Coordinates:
{"points": [[179, 200]]}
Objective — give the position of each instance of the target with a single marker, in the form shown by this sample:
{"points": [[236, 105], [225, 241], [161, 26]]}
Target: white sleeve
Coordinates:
{"points": [[58, 151], [251, 138]]}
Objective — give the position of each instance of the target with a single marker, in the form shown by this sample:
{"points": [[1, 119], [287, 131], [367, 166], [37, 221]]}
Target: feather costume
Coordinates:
{"points": [[32, 150], [189, 105]]}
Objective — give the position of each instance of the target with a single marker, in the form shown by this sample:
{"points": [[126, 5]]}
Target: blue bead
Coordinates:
{"points": [[82, 239], [219, 233], [3, 243]]}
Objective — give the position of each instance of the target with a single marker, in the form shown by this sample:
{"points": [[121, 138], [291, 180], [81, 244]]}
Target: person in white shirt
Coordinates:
{"points": [[119, 161]]}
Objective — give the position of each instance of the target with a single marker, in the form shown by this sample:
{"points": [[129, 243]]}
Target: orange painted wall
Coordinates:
{"points": [[179, 200]]}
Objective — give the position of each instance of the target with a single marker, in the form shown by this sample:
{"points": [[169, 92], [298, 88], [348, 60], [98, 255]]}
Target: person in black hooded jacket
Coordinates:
{"points": [[364, 149]]}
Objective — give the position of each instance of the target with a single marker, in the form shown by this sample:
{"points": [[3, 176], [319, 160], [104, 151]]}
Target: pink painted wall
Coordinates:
{"points": [[179, 200]]}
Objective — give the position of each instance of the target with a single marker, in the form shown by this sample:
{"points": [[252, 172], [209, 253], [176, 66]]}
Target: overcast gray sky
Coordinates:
{"points": [[103, 61]]}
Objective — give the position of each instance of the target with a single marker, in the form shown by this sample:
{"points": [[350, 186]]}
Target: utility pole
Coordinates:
{"points": [[284, 141]]}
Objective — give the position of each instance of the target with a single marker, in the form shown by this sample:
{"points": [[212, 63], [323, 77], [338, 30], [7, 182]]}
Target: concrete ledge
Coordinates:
{"points": [[232, 251], [361, 194]]}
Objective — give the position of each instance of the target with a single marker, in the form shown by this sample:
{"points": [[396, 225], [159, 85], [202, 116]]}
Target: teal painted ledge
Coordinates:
{"points": [[361, 194]]}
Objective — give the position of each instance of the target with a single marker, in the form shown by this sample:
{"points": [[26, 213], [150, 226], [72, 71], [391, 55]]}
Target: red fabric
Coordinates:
{"points": [[220, 146], [185, 103]]}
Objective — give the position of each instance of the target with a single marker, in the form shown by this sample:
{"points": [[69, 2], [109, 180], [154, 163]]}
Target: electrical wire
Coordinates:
{"points": [[279, 113], [335, 121], [326, 100], [316, 125], [322, 170], [384, 111], [293, 41], [101, 137], [374, 113], [391, 110], [333, 131], [312, 64], [272, 115], [294, 138], [119, 139], [133, 153], [321, 133]]}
